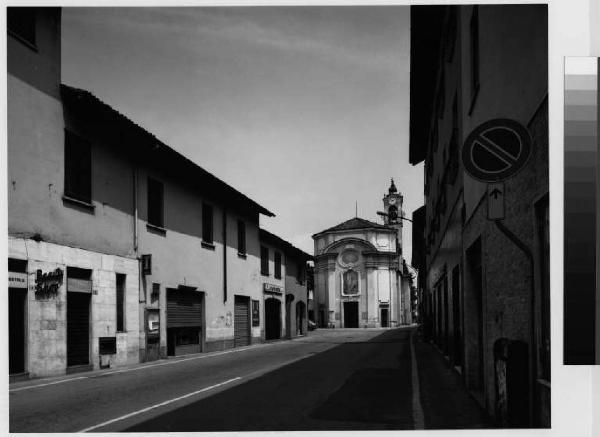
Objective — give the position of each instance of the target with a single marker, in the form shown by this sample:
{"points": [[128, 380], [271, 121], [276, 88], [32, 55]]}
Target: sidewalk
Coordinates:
{"points": [[445, 401]]}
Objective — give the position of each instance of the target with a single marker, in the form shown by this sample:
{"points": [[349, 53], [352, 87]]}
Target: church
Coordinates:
{"points": [[361, 279]]}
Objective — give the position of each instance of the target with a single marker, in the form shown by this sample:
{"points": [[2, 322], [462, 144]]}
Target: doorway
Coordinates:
{"points": [[272, 319], [16, 329], [300, 318], [350, 314], [184, 321], [456, 317], [241, 321], [385, 317], [78, 329]]}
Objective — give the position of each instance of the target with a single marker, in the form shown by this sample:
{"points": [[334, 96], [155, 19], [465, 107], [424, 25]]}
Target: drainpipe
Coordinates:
{"points": [[135, 210], [532, 349], [224, 255]]}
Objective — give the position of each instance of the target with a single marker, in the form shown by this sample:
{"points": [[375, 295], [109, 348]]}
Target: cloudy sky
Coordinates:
{"points": [[304, 109]]}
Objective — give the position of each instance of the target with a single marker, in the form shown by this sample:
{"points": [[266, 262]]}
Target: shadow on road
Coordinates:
{"points": [[356, 385]]}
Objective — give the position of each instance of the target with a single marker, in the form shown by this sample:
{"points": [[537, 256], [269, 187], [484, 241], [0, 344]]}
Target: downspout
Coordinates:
{"points": [[533, 358], [135, 210], [224, 255]]}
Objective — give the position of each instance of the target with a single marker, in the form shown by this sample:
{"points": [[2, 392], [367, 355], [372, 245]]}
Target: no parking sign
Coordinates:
{"points": [[495, 151]]}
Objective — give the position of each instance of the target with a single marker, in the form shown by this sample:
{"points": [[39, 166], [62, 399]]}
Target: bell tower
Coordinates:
{"points": [[393, 213]]}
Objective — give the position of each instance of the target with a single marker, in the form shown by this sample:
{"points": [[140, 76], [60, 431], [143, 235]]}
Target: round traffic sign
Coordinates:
{"points": [[496, 150]]}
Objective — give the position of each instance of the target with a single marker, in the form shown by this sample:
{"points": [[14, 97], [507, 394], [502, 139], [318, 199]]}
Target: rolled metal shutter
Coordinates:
{"points": [[78, 325], [184, 308], [241, 326]]}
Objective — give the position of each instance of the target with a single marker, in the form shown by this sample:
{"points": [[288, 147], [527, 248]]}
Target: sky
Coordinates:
{"points": [[303, 109]]}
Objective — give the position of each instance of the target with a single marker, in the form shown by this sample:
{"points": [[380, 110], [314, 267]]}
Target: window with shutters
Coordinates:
{"points": [[300, 272], [277, 265], [207, 223], [241, 228], [78, 168], [474, 54], [264, 261], [155, 203], [155, 294], [120, 302]]}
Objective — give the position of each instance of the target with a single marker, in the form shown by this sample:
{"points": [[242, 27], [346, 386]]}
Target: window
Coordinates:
{"points": [[207, 223], [451, 33], [453, 163], [155, 203], [277, 265], [241, 228], [300, 273], [474, 47], [264, 261], [441, 98], [21, 23], [120, 302], [78, 168], [155, 294]]}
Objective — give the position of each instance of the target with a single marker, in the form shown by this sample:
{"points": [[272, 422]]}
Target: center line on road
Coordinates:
{"points": [[162, 404]]}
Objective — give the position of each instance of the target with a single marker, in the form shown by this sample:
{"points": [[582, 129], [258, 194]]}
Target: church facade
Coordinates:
{"points": [[359, 271]]}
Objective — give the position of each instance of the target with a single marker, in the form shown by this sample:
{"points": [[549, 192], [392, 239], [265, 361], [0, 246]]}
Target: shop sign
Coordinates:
{"points": [[17, 280], [47, 284], [270, 288], [255, 313]]}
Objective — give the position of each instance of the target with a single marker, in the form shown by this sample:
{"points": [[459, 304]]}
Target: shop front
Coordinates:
{"points": [[185, 320], [273, 313]]}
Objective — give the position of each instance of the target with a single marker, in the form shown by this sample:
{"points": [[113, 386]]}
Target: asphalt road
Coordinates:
{"points": [[330, 380]]}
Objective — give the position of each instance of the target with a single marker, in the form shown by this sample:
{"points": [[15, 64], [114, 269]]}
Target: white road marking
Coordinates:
{"points": [[48, 383], [196, 357], [169, 362], [417, 409], [162, 404]]}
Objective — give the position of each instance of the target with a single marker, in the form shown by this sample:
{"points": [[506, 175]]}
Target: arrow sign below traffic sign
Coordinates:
{"points": [[496, 150], [495, 201]]}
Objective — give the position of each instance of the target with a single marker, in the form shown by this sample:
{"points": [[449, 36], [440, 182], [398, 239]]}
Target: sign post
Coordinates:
{"points": [[494, 152]]}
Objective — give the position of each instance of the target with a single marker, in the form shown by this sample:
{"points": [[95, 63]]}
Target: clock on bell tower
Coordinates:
{"points": [[393, 213]]}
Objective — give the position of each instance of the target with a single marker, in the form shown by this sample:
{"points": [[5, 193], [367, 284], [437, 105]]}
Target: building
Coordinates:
{"points": [[359, 271], [120, 249], [283, 271], [73, 272], [486, 282], [196, 236], [418, 261]]}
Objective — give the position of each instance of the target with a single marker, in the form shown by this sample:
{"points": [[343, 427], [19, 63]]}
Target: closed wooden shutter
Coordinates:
{"points": [[184, 308], [241, 326]]}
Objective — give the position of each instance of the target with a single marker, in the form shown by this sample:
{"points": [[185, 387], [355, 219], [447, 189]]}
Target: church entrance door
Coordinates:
{"points": [[384, 317], [350, 314]]}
